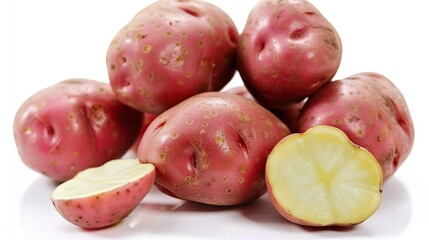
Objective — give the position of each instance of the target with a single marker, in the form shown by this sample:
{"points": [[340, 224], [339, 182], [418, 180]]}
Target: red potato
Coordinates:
{"points": [[212, 148], [102, 196], [172, 50], [287, 51], [73, 125], [321, 178], [371, 110]]}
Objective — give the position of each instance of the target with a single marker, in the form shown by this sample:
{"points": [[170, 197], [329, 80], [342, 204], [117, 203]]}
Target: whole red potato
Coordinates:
{"points": [[371, 110], [73, 125], [286, 51], [172, 50], [212, 148]]}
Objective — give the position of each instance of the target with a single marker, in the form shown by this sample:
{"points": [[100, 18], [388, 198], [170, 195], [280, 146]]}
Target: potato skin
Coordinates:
{"points": [[288, 114], [106, 208], [287, 51], [371, 110], [212, 148], [147, 119], [73, 125], [172, 50]]}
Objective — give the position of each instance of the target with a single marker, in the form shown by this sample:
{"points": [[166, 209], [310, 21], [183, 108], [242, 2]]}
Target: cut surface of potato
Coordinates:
{"points": [[321, 178], [101, 196]]}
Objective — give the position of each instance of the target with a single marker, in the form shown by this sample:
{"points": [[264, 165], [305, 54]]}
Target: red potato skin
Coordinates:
{"points": [[371, 110], [147, 119], [288, 114], [287, 51], [172, 50], [106, 208], [212, 148], [73, 125]]}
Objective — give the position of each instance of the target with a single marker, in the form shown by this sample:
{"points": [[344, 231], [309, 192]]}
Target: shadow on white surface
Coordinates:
{"points": [[162, 217]]}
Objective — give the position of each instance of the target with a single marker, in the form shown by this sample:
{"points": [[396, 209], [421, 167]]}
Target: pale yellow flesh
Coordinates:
{"points": [[111, 175], [320, 177]]}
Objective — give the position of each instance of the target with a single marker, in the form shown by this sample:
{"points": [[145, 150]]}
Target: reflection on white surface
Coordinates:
{"points": [[162, 217]]}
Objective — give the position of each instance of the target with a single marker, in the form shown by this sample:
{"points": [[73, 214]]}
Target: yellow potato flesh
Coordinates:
{"points": [[321, 178], [111, 175]]}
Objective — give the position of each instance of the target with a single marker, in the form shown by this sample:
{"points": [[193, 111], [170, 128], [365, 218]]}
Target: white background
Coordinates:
{"points": [[43, 42]]}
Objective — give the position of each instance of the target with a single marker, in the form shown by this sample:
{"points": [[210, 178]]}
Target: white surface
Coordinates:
{"points": [[43, 42]]}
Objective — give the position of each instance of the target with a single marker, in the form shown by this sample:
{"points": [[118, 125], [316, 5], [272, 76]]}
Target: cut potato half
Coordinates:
{"points": [[320, 178], [102, 196]]}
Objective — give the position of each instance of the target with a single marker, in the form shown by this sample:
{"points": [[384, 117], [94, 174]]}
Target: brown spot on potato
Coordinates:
{"points": [[265, 134], [331, 42], [274, 74], [360, 133], [137, 68], [244, 117], [241, 180], [151, 76], [143, 93], [201, 44], [243, 169], [174, 135], [267, 123], [27, 130], [276, 58], [189, 179], [336, 122], [220, 138], [163, 60], [189, 122], [353, 119], [205, 165], [72, 117]]}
